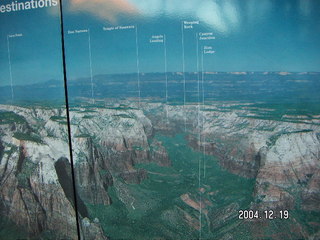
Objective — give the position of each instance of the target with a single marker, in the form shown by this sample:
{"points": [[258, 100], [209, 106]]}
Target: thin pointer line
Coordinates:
{"points": [[184, 78], [198, 102], [10, 67], [90, 62], [138, 69], [199, 137], [198, 79], [166, 74], [203, 102]]}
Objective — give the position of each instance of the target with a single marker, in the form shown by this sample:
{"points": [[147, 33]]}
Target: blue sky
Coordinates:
{"points": [[36, 56], [250, 36]]}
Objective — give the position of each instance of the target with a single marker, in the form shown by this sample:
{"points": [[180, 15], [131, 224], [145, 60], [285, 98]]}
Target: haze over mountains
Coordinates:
{"points": [[300, 88]]}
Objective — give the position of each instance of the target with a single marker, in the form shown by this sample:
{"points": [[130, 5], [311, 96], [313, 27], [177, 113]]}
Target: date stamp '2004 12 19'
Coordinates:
{"points": [[266, 214]]}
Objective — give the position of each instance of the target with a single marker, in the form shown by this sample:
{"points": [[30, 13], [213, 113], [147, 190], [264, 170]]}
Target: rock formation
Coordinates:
{"points": [[109, 143]]}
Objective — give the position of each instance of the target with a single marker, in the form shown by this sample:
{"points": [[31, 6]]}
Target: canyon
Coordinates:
{"points": [[120, 152]]}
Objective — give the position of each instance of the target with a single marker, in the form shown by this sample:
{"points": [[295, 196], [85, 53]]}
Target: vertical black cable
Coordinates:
{"points": [[68, 118]]}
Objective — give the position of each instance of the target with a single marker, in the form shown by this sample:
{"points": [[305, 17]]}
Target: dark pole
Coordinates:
{"points": [[68, 118]]}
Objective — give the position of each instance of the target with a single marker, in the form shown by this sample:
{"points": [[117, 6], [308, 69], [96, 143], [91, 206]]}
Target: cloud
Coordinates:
{"points": [[305, 7], [108, 10], [231, 12], [223, 16], [257, 10], [151, 7], [211, 13], [208, 11]]}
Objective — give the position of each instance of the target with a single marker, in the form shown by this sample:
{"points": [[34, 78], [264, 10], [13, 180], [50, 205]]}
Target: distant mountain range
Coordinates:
{"points": [[217, 86]]}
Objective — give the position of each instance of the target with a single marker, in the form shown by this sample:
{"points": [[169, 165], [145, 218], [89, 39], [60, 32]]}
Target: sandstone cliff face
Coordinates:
{"points": [[31, 193], [35, 171], [280, 155], [291, 162], [310, 196], [36, 193], [92, 176], [91, 230], [108, 143]]}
